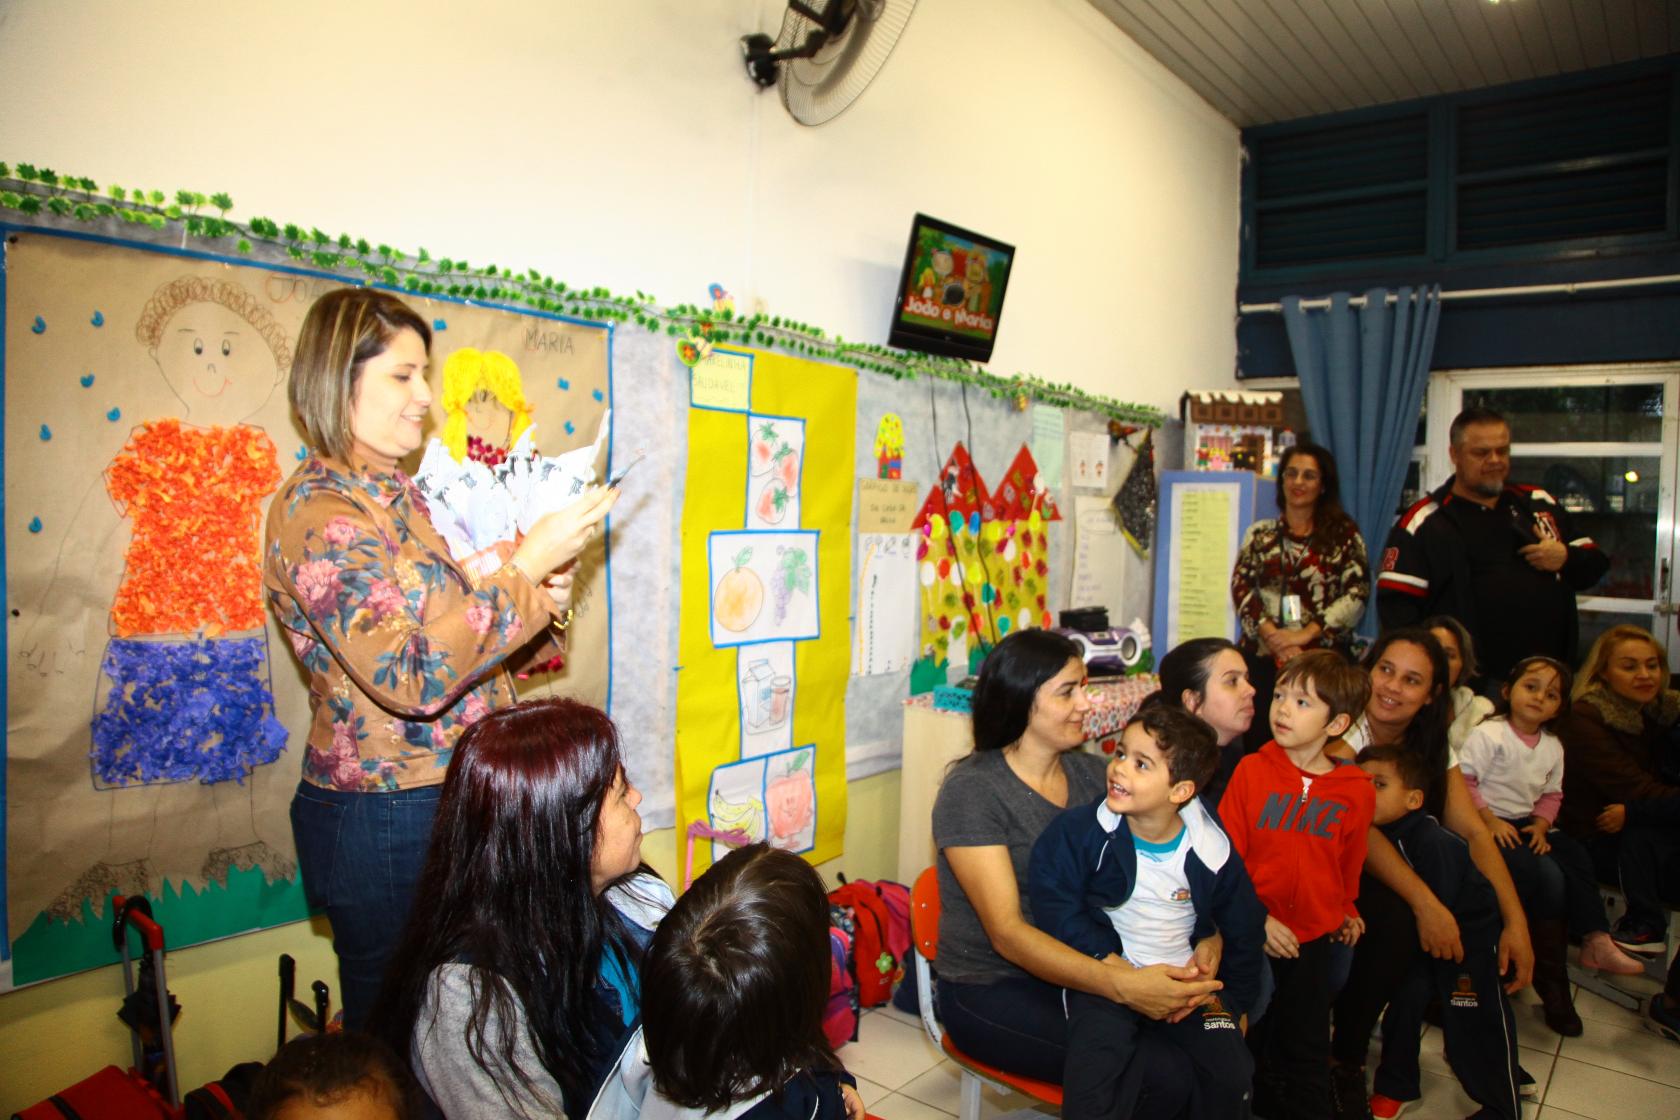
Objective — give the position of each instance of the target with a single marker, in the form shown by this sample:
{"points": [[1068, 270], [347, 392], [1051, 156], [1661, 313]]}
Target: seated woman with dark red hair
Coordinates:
{"points": [[518, 975]]}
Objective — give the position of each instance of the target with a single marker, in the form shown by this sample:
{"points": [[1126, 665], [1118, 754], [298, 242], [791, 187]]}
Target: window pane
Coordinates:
{"points": [[1613, 501], [1577, 413]]}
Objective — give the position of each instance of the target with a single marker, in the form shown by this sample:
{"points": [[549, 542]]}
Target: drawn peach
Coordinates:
{"points": [[739, 596], [789, 799]]}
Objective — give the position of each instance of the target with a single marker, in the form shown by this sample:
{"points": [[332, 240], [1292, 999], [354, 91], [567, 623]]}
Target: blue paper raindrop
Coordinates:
{"points": [[46, 433], [563, 383], [598, 395], [570, 427], [98, 319], [39, 326], [114, 415], [439, 325], [34, 524], [87, 380]]}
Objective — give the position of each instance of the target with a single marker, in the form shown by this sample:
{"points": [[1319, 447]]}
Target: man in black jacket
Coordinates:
{"points": [[1501, 559]]}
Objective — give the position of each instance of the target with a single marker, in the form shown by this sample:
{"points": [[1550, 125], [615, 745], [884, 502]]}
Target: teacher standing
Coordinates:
{"points": [[402, 649], [1301, 579]]}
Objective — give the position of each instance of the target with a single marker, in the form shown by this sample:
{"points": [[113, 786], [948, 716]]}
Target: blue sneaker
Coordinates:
{"points": [[1637, 937], [1662, 1019]]}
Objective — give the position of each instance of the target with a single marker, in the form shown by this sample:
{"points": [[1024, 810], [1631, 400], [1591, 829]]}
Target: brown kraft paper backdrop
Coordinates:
{"points": [[74, 394]]}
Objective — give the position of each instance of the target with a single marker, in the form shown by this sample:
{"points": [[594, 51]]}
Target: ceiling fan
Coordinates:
{"points": [[826, 53]]}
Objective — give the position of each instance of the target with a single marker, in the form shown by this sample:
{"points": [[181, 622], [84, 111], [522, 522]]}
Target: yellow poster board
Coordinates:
{"points": [[764, 637]]}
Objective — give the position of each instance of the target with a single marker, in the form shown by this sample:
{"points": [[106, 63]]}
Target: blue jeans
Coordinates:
{"points": [[361, 855]]}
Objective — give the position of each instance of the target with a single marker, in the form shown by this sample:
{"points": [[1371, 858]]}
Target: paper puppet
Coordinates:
{"points": [[889, 447], [484, 405], [184, 693]]}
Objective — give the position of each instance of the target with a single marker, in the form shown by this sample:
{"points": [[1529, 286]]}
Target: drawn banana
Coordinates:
{"points": [[748, 816]]}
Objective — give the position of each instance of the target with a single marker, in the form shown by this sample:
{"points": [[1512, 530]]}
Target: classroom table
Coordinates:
{"points": [[933, 739]]}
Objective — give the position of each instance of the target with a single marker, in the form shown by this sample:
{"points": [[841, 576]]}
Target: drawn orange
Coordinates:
{"points": [[739, 596]]}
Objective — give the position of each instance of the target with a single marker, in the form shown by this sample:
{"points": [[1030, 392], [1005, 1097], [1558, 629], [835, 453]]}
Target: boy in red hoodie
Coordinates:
{"points": [[1300, 819]]}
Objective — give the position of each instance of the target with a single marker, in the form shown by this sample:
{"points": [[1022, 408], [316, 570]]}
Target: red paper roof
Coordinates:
{"points": [[960, 489], [1016, 498]]}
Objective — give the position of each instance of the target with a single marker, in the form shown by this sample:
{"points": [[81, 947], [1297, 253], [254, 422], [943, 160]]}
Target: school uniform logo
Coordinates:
{"points": [[1215, 1017], [1182, 894], [1463, 995]]}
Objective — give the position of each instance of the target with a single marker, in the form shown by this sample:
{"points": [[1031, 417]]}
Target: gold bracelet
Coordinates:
{"points": [[563, 621]]}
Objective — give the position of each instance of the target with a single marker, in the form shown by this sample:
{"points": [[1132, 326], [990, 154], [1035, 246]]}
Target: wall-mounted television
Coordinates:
{"points": [[950, 294]]}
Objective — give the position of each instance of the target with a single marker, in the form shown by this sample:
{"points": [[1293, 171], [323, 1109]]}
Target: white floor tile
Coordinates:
{"points": [[897, 1106], [1604, 1094], [890, 1052], [1550, 1113], [891, 1012], [1590, 1005], [941, 1087], [867, 1089], [1625, 1050]]}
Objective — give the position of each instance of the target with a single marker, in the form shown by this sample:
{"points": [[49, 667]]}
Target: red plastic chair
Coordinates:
{"points": [[924, 932]]}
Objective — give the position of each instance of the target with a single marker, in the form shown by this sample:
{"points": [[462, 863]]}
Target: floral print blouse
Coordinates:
{"points": [[404, 652], [1333, 585]]}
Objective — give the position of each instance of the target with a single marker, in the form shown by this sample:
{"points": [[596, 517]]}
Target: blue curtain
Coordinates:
{"points": [[1363, 373]]}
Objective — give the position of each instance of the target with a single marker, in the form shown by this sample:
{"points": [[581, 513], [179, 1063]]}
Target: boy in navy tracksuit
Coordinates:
{"points": [[1476, 1020], [1148, 875]]}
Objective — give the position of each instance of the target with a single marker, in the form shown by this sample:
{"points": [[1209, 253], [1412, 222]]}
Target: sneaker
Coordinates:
{"points": [[1526, 1088], [1349, 1096], [1636, 937], [1600, 952], [1387, 1108], [1662, 1019]]}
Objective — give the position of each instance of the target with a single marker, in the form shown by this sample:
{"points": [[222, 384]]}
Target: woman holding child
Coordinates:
{"points": [[1621, 784], [1000, 977], [1409, 708]]}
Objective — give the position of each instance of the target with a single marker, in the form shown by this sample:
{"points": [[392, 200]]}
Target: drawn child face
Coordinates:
{"points": [[218, 364], [1394, 800], [488, 419]]}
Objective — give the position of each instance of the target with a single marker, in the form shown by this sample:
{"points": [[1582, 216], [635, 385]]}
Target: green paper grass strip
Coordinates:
{"points": [[33, 190]]}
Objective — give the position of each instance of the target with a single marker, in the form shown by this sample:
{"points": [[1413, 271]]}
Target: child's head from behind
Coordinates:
{"points": [[736, 980], [1536, 692], [1319, 695], [1399, 777], [339, 1076], [1165, 755]]}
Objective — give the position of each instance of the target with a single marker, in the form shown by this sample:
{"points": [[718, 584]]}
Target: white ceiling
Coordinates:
{"points": [[1259, 61]]}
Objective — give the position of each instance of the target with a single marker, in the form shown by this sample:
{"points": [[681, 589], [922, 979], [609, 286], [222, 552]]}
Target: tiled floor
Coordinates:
{"points": [[1615, 1071]]}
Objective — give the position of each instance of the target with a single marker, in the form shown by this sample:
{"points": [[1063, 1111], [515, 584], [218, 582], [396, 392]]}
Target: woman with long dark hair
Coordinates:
{"points": [[1410, 708], [1208, 677], [517, 977], [1300, 581], [1000, 977]]}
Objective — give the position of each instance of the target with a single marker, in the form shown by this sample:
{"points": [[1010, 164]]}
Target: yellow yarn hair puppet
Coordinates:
{"points": [[465, 373]]}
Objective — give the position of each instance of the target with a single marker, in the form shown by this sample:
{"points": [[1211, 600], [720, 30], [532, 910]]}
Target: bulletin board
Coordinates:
{"points": [[1203, 516], [753, 619], [154, 712]]}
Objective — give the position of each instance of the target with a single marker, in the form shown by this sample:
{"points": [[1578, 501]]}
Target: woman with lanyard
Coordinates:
{"points": [[1300, 580], [1410, 709]]}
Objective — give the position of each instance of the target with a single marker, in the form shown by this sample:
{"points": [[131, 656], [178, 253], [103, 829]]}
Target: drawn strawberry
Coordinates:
{"points": [[787, 469], [764, 448], [772, 503]]}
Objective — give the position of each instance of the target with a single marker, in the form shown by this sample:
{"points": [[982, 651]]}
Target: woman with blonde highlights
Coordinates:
{"points": [[1621, 791], [404, 651]]}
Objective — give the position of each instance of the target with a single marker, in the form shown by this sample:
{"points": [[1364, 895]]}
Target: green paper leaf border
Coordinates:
{"points": [[30, 190]]}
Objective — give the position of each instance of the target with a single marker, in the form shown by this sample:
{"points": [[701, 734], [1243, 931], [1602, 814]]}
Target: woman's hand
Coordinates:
{"points": [[557, 538], [1160, 991], [1537, 842], [1438, 931], [1352, 930], [854, 1103], [1280, 939], [1504, 833], [1612, 820], [559, 588]]}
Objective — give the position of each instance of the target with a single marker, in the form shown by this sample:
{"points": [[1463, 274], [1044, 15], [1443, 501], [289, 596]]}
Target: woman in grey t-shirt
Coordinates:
{"points": [[1000, 978]]}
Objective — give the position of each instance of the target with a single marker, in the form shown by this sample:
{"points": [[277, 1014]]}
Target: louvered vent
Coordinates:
{"points": [[1343, 193], [1584, 163], [1561, 168]]}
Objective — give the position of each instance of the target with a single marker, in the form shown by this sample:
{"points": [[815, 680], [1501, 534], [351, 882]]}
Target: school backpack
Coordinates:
{"points": [[840, 1014], [879, 916]]}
